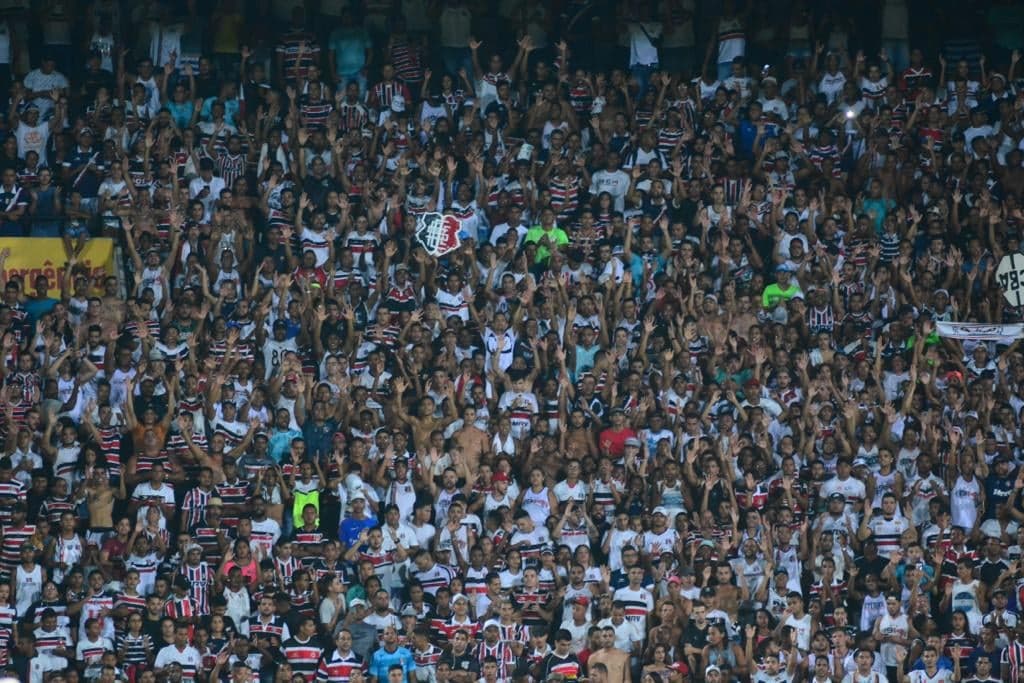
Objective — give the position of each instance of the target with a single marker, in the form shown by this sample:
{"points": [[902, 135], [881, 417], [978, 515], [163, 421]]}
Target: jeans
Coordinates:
{"points": [[455, 58], [642, 75], [678, 60], [899, 54]]}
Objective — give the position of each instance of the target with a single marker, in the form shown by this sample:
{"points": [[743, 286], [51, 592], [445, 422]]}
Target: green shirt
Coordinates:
{"points": [[773, 294], [556, 236]]}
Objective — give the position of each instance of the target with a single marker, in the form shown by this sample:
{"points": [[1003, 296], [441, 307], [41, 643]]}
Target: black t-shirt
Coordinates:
{"points": [[568, 666], [91, 82], [464, 662], [866, 566], [998, 491], [990, 571], [695, 636]]}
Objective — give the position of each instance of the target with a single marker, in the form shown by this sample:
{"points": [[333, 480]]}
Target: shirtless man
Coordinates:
{"points": [[99, 497], [114, 306], [424, 423], [578, 439], [743, 317], [474, 442]]}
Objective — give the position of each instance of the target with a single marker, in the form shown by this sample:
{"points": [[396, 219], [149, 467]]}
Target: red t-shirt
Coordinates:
{"points": [[615, 441], [116, 551]]}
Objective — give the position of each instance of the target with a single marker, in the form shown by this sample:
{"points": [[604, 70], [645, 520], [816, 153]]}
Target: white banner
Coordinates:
{"points": [[980, 331]]}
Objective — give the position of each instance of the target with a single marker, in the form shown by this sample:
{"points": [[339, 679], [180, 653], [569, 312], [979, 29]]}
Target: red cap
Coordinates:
{"points": [[499, 476], [581, 600]]}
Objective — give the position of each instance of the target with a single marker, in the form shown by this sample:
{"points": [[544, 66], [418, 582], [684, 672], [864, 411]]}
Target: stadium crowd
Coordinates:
{"points": [[682, 404]]}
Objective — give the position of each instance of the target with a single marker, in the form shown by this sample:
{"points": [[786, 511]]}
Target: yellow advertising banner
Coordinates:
{"points": [[33, 256]]}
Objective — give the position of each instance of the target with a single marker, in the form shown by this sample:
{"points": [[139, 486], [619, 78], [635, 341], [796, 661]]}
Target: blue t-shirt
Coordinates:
{"points": [[181, 113], [36, 308], [281, 442], [231, 108], [350, 46], [349, 532], [383, 660]]}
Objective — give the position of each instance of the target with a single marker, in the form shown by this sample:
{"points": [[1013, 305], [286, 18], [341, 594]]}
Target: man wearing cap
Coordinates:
{"points": [[84, 169], [358, 519], [577, 622], [31, 134], [853, 489], [835, 519], [493, 646], [782, 290], [660, 538]]}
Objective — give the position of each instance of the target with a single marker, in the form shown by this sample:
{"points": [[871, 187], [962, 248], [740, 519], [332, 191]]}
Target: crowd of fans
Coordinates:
{"points": [[677, 407]]}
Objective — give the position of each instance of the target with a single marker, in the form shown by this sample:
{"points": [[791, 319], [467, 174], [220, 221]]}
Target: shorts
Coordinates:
{"points": [[97, 535], [76, 229]]}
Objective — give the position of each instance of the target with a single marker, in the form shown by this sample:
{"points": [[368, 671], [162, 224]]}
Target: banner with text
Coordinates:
{"points": [[979, 331], [30, 257]]}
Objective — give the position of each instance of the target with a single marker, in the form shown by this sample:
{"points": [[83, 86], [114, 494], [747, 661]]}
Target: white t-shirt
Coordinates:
{"points": [[197, 185], [940, 676], [39, 82], [642, 51], [803, 630], [32, 139], [615, 183], [188, 658]]}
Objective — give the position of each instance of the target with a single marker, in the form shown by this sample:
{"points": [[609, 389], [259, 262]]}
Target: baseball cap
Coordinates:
{"points": [[837, 496], [409, 611], [633, 441], [499, 476], [581, 600], [660, 510], [712, 669]]}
